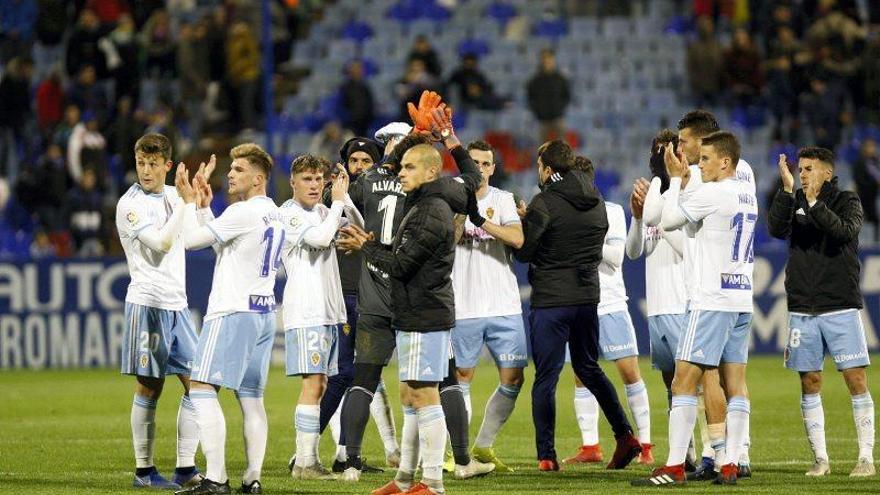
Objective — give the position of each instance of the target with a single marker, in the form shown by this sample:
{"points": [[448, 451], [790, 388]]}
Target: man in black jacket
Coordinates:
{"points": [[549, 95], [419, 264], [822, 225], [564, 229]]}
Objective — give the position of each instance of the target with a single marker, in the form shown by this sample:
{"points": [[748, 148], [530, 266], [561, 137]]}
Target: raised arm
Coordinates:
{"points": [[782, 209], [161, 239]]}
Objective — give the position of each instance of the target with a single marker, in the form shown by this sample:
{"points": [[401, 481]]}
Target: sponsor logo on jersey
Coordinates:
{"points": [[735, 281], [261, 304], [427, 371], [699, 354]]}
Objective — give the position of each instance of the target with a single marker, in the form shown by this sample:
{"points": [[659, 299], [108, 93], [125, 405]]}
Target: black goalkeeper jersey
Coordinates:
{"points": [[378, 195]]}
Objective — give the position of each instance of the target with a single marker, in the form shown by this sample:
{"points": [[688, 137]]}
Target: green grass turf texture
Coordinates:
{"points": [[68, 432]]}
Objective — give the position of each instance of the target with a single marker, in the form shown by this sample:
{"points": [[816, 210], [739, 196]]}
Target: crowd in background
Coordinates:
{"points": [[81, 81]]}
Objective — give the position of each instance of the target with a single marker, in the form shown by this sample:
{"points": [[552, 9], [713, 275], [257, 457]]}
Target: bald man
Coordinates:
{"points": [[419, 263]]}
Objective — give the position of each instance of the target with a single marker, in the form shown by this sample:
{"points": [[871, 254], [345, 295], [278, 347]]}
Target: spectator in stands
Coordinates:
{"points": [[704, 64], [50, 26], [866, 173], [87, 94], [86, 148], [41, 189], [85, 215], [50, 102], [783, 96], [243, 72], [109, 12], [122, 49], [329, 141], [194, 71], [82, 47], [822, 107], [159, 45], [474, 88], [42, 246], [15, 111], [125, 129], [422, 50], [742, 69], [357, 100], [416, 80], [16, 27], [871, 76], [549, 96], [62, 132]]}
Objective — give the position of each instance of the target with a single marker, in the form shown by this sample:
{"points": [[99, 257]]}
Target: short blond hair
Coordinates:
{"points": [[255, 155]]}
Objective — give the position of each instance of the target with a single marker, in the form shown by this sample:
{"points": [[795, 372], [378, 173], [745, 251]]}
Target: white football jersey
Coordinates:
{"points": [[482, 275], [313, 291], [249, 237], [612, 291], [665, 288], [158, 279], [722, 216]]}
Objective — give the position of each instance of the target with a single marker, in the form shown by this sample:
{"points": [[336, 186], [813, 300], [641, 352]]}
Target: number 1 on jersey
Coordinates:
{"points": [[388, 205]]}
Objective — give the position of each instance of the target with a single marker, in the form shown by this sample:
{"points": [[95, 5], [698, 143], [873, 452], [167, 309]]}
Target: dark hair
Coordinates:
{"points": [[557, 155], [481, 145], [725, 144], [585, 165], [824, 155], [255, 155], [701, 122], [403, 146], [658, 162], [151, 144], [309, 162]]}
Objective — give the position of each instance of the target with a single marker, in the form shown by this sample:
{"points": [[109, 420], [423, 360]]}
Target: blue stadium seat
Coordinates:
{"points": [[551, 29], [473, 46], [501, 12]]}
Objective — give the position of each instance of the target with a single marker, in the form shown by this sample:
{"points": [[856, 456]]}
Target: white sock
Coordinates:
{"points": [[705, 438], [212, 433], [498, 410], [307, 423], [466, 393], [380, 409], [863, 414], [586, 409], [718, 441], [336, 430], [682, 418], [187, 433], [432, 441], [143, 430], [747, 443], [256, 432], [637, 398], [409, 448], [738, 409], [814, 424]]}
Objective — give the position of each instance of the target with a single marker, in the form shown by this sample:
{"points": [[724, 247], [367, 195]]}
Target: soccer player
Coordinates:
{"points": [[666, 293], [487, 302], [313, 301], [617, 343], [564, 228], [159, 338], [235, 345], [721, 213], [358, 154], [822, 224], [419, 265]]}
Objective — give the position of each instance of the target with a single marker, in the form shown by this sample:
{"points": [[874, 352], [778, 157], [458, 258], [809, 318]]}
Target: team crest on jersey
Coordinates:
{"points": [[132, 218], [346, 328], [145, 360], [490, 212], [316, 359]]}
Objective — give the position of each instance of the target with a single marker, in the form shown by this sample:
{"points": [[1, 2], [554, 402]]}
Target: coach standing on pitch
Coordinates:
{"points": [[564, 229], [822, 225]]}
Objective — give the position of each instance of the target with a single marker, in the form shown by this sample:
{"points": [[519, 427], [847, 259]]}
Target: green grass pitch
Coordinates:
{"points": [[68, 432]]}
